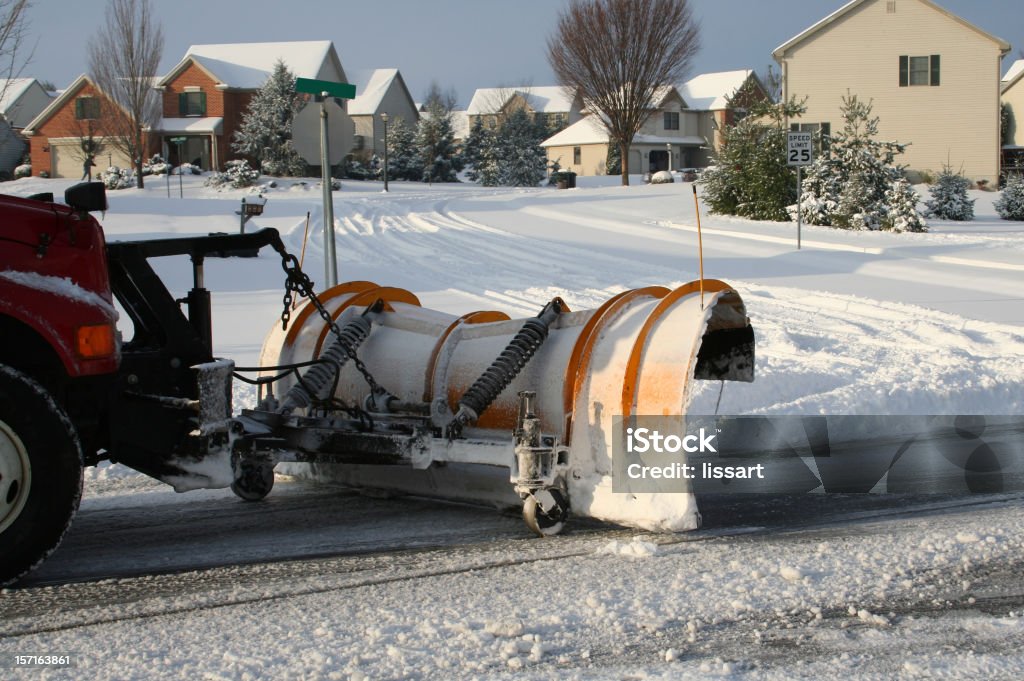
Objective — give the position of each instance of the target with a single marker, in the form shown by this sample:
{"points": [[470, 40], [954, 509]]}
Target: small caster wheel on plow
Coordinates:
{"points": [[253, 480], [545, 511]]}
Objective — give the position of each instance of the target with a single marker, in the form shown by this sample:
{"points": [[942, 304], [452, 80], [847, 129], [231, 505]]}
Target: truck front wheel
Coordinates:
{"points": [[40, 474]]}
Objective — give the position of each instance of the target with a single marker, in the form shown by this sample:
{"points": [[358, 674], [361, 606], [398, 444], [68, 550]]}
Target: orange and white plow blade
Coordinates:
{"points": [[635, 355]]}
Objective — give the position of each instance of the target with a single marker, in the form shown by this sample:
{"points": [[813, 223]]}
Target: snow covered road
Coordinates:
{"points": [[797, 587]]}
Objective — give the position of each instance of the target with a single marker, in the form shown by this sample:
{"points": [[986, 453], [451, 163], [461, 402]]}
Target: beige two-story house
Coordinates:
{"points": [[934, 79]]}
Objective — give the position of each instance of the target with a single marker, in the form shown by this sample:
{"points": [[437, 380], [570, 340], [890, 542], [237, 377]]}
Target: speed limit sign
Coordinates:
{"points": [[799, 150]]}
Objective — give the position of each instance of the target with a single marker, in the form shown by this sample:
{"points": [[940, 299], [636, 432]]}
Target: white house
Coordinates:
{"points": [[382, 91]]}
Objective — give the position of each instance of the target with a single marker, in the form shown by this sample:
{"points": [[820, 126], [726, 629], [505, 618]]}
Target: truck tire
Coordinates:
{"points": [[40, 474]]}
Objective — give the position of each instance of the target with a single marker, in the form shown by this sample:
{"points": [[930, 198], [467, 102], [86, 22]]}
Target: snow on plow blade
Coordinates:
{"points": [[638, 354]]}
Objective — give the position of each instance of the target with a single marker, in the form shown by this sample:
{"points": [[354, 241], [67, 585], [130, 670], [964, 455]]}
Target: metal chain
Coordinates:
{"points": [[299, 282]]}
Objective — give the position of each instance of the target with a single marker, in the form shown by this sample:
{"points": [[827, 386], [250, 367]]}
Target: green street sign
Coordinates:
{"points": [[315, 87]]}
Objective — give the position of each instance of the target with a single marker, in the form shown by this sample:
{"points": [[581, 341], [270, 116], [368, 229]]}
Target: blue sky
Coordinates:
{"points": [[463, 44]]}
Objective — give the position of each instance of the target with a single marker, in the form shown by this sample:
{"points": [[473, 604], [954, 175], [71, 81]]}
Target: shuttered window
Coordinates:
{"points": [[920, 70], [192, 104]]}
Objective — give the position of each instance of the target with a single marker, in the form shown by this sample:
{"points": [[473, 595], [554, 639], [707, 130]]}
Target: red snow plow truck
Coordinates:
{"points": [[357, 376]]}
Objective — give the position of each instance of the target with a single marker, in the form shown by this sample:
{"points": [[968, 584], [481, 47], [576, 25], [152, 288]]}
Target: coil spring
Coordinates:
{"points": [[320, 376], [505, 367]]}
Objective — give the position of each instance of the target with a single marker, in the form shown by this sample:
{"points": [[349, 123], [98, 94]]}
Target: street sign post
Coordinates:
{"points": [[799, 153], [324, 89], [181, 191]]}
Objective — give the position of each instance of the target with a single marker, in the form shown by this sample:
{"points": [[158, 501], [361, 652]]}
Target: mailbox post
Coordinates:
{"points": [[251, 207], [322, 90]]}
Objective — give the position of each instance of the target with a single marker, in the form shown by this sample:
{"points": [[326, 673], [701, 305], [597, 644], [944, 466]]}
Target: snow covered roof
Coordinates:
{"points": [[590, 131], [544, 99], [13, 89], [711, 91], [1014, 74], [370, 92], [210, 124], [246, 66], [779, 52]]}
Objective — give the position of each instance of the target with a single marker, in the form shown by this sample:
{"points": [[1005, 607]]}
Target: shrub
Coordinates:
{"points": [[901, 214], [949, 197], [24, 170], [117, 178], [156, 166], [1010, 205], [44, 173], [237, 175]]}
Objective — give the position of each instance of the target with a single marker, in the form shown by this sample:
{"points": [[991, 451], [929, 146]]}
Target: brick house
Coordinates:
{"points": [[79, 113], [206, 94]]}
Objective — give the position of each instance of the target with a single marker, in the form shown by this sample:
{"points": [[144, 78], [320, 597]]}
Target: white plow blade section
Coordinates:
{"points": [[635, 355]]}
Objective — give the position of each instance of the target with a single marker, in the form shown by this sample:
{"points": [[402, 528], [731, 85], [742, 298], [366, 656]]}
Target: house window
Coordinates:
{"points": [[919, 70], [671, 120], [87, 108], [577, 156], [192, 104]]}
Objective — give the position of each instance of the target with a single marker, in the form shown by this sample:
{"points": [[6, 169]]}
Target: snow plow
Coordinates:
{"points": [[359, 380], [534, 398]]}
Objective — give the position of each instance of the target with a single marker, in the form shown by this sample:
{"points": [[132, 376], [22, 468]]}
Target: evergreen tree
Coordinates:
{"points": [[613, 162], [523, 162], [404, 161], [266, 130], [1010, 205], [473, 149], [846, 187], [750, 177], [901, 209], [436, 143], [949, 197]]}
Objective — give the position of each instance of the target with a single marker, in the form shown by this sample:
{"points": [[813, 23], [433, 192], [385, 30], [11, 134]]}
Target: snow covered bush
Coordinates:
{"points": [[266, 130], [1010, 205], [24, 170], [237, 175], [156, 166], [901, 214], [187, 169], [847, 185], [118, 178], [949, 197]]}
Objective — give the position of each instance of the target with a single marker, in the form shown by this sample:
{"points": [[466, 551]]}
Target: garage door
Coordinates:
{"points": [[67, 160]]}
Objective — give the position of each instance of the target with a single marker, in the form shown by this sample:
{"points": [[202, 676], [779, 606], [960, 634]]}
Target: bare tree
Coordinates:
{"points": [[123, 60], [435, 97], [13, 30], [618, 54]]}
